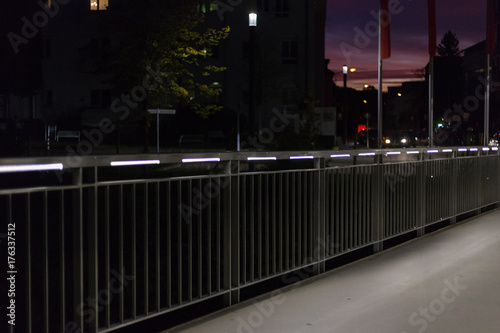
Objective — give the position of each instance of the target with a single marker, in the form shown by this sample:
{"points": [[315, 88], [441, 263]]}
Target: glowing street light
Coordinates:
{"points": [[252, 20]]}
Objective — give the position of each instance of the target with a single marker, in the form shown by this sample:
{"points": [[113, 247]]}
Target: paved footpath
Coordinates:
{"points": [[448, 281]]}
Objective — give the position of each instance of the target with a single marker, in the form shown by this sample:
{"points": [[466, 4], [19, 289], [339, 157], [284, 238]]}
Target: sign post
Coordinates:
{"points": [[158, 112]]}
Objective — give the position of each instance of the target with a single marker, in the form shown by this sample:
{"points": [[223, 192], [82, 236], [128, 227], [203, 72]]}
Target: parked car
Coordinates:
{"points": [[495, 139]]}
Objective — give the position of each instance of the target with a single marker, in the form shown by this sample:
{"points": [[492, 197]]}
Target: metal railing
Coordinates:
{"points": [[100, 247]]}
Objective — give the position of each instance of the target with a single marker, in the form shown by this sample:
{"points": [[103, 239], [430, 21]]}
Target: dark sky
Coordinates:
{"points": [[466, 18]]}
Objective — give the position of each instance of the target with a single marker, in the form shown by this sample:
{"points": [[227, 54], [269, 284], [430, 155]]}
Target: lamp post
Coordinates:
{"points": [[252, 24], [344, 70]]}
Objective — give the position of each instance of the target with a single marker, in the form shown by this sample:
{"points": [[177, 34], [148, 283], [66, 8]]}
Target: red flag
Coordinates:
{"points": [[431, 6], [490, 26], [385, 30]]}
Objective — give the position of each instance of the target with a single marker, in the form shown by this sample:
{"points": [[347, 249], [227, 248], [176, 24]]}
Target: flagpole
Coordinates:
{"points": [[431, 101], [487, 101], [379, 113]]}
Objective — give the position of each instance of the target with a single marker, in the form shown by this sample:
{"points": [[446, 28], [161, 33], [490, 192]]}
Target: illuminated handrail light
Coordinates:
{"points": [[129, 163], [262, 158], [30, 167], [306, 157], [462, 150], [200, 160], [432, 151], [494, 148], [486, 149], [473, 149], [394, 153], [447, 150], [413, 152], [366, 154], [340, 155]]}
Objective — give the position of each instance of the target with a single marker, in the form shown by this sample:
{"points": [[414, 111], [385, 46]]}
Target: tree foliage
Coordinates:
{"points": [[449, 45], [170, 38]]}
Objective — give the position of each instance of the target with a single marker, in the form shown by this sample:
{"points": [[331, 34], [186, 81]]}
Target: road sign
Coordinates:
{"points": [[158, 112], [161, 111]]}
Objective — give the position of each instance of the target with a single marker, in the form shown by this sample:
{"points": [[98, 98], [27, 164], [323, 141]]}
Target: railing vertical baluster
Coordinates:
{"points": [[77, 218], [45, 222], [157, 246], [259, 221], [243, 180], [62, 258], [133, 237], [169, 222], [121, 239]]}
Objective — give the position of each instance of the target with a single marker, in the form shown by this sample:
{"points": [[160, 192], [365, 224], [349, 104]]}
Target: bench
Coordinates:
{"points": [[68, 134]]}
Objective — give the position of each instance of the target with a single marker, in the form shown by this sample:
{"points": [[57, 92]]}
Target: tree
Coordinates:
{"points": [[170, 38], [449, 45]]}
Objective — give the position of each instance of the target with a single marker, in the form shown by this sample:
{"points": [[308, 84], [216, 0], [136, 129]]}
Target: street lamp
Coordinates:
{"points": [[252, 20], [344, 70], [252, 24]]}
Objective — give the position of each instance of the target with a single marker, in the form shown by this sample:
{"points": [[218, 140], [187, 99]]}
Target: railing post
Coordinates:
{"points": [[78, 250], [92, 254], [454, 188], [232, 234], [378, 197], [319, 218], [421, 198]]}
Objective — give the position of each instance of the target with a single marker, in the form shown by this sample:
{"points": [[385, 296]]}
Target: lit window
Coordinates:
{"points": [[99, 4]]}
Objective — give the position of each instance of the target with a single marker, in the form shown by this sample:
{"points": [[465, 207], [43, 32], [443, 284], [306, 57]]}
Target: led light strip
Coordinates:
{"points": [[200, 160], [30, 167], [447, 150], [271, 158], [302, 157], [129, 163], [473, 149], [486, 149], [394, 153], [494, 148], [462, 150], [412, 152], [432, 151], [367, 154], [340, 155]]}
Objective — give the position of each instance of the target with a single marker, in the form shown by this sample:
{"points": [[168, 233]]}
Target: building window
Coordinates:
{"points": [[289, 96], [99, 4], [212, 6], [289, 52], [100, 98], [263, 6], [282, 8]]}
